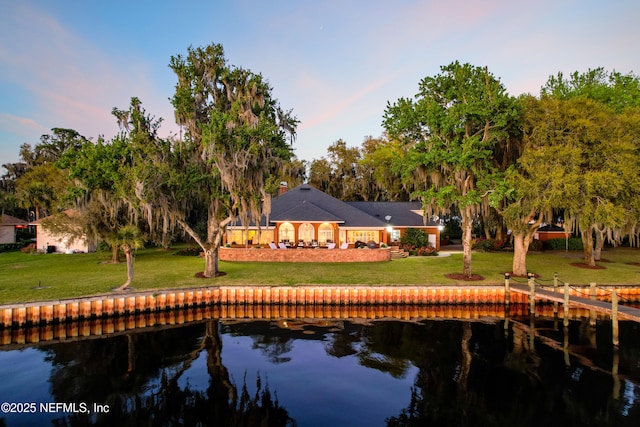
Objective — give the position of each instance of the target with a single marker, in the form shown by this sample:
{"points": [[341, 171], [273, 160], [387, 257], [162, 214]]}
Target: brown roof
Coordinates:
{"points": [[11, 220]]}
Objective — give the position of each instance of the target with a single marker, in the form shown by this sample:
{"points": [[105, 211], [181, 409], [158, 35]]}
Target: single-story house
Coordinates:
{"points": [[550, 231], [8, 226], [306, 217], [49, 242]]}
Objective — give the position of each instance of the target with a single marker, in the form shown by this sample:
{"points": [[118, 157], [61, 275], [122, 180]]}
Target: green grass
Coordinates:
{"points": [[67, 276]]}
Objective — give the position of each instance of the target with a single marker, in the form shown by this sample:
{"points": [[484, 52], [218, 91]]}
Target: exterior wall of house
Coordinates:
{"points": [[304, 255], [296, 235], [240, 236], [7, 234], [340, 235], [543, 236], [62, 244]]}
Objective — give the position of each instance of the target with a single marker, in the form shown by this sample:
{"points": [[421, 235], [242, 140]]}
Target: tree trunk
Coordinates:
{"points": [[211, 262], [129, 258], [587, 243], [520, 249], [466, 241], [501, 234], [115, 254], [210, 248], [599, 243], [166, 235]]}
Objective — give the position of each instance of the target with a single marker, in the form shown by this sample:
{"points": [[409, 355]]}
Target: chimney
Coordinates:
{"points": [[283, 187]]}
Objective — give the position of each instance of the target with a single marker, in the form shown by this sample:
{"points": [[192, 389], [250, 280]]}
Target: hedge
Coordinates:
{"points": [[575, 244]]}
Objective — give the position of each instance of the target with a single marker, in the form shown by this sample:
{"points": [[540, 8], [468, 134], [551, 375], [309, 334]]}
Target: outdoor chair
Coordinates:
{"points": [[345, 245], [273, 245], [282, 245]]}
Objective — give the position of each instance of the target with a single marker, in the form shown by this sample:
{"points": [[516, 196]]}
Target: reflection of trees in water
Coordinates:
{"points": [[488, 381], [376, 346], [138, 376], [468, 374], [274, 348]]}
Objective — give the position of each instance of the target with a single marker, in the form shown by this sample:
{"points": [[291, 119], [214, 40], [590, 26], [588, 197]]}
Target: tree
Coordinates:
{"points": [[602, 119], [382, 161], [100, 191], [36, 182], [128, 238], [236, 135], [454, 125], [40, 188], [321, 175], [151, 162]]}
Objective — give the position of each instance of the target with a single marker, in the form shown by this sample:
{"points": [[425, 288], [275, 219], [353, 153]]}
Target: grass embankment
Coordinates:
{"points": [[26, 277]]}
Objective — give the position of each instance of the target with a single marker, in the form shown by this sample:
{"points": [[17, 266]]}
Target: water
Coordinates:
{"points": [[330, 372]]}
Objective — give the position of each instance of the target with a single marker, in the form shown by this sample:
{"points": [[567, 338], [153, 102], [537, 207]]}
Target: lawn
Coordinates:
{"points": [[25, 277]]}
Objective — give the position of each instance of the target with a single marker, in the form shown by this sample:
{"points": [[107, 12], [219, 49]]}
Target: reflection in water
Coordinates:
{"points": [[336, 372]]}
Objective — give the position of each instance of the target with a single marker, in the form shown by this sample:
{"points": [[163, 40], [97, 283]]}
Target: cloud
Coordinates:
{"points": [[67, 81], [16, 124]]}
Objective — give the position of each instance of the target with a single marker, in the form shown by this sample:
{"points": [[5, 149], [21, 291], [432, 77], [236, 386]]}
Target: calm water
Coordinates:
{"points": [[331, 373]]}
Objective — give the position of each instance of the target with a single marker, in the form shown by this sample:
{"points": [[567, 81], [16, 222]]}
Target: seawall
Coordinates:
{"points": [[113, 305]]}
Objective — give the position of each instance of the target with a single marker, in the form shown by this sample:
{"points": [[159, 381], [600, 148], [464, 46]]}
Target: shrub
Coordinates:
{"points": [[9, 247], [486, 245], [426, 251], [415, 237], [536, 245], [575, 244]]}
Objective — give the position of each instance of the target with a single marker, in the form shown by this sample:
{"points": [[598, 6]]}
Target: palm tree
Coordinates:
{"points": [[129, 238]]}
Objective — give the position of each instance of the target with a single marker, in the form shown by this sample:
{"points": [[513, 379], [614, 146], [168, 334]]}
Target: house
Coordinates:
{"points": [[550, 231], [8, 226], [50, 242], [307, 217]]}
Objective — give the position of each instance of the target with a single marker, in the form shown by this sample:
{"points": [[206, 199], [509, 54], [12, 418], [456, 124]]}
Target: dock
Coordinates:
{"points": [[624, 312]]}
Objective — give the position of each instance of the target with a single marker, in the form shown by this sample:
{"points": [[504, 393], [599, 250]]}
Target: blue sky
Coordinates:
{"points": [[67, 63]]}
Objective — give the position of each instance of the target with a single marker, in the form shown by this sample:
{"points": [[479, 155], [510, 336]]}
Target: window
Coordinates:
{"points": [[363, 236], [325, 233], [395, 235], [239, 237], [286, 233], [306, 233]]}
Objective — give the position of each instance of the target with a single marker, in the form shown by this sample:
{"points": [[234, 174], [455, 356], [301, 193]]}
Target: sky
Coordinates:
{"points": [[335, 64]]}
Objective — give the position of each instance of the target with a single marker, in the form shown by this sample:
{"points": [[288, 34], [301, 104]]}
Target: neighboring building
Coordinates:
{"points": [[8, 226], [306, 216], [49, 242], [550, 231]]}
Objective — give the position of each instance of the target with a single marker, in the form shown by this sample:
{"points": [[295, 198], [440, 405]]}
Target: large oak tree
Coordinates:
{"points": [[456, 124], [236, 136]]}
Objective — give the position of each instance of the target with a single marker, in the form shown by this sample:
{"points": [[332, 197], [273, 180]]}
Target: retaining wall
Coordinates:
{"points": [[110, 305], [304, 255], [17, 338]]}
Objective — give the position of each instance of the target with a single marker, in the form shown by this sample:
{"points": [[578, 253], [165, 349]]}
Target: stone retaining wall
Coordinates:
{"points": [[304, 255]]}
